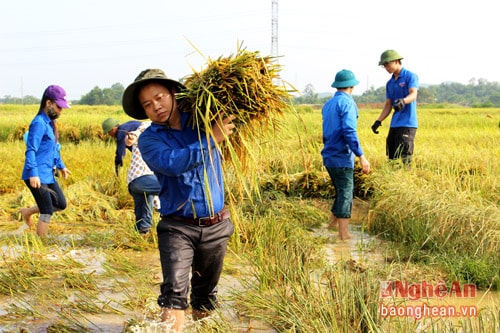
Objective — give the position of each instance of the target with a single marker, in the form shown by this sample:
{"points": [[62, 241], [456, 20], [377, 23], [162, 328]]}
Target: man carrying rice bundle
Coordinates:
{"points": [[194, 229]]}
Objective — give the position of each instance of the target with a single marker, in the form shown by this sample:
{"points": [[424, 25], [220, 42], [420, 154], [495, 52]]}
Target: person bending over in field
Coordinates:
{"points": [[43, 159], [119, 132], [143, 185]]}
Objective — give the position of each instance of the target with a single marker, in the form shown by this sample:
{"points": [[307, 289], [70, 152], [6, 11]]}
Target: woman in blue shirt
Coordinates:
{"points": [[42, 160]]}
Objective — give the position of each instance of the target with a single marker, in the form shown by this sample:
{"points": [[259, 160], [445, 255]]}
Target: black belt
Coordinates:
{"points": [[201, 221]]}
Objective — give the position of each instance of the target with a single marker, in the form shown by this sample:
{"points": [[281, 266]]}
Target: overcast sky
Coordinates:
{"points": [[82, 44]]}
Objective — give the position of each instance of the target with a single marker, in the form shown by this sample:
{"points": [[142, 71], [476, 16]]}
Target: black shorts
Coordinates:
{"points": [[48, 197], [400, 143]]}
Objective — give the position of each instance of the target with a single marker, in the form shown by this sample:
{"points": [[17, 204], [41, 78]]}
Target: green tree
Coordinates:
{"points": [[26, 100], [372, 95], [495, 99], [426, 95], [94, 97], [113, 95], [308, 96], [106, 96]]}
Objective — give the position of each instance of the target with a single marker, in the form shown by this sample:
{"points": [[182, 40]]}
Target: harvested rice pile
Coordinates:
{"points": [[244, 85], [313, 184]]}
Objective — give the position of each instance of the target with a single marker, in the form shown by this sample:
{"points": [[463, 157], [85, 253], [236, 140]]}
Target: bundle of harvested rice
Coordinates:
{"points": [[243, 85]]}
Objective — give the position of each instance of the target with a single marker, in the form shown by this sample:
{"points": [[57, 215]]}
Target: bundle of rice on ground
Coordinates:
{"points": [[243, 85]]}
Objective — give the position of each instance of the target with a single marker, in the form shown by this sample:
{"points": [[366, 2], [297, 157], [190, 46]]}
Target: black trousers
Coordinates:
{"points": [[186, 248]]}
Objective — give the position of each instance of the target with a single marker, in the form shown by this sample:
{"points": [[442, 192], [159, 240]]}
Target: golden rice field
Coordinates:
{"points": [[437, 221]]}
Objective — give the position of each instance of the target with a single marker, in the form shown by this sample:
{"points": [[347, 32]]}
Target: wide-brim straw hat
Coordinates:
{"points": [[130, 102]]}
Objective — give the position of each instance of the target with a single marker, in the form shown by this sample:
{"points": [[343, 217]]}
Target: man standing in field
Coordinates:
{"points": [[341, 144], [195, 227], [401, 95]]}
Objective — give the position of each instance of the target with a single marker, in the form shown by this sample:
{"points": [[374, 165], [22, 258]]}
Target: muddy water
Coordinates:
{"points": [[360, 249], [145, 321], [93, 262], [365, 250]]}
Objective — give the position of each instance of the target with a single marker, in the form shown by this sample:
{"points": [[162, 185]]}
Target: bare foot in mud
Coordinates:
{"points": [[333, 224], [344, 237], [25, 212]]}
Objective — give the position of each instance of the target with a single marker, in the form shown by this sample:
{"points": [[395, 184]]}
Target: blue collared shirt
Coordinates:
{"points": [[400, 88], [42, 152], [120, 136], [340, 138], [188, 168]]}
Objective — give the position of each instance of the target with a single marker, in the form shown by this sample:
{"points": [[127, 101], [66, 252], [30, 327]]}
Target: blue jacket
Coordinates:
{"points": [[120, 136], [340, 139], [42, 152], [400, 88], [188, 167]]}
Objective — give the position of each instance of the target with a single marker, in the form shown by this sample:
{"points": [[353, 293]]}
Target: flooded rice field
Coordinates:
{"points": [[100, 303]]}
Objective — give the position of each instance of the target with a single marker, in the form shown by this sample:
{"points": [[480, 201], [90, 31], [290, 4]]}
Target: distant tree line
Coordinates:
{"points": [[480, 93], [477, 93], [97, 96], [106, 96]]}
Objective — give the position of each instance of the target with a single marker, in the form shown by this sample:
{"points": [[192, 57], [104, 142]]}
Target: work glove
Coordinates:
{"points": [[376, 125], [398, 105]]}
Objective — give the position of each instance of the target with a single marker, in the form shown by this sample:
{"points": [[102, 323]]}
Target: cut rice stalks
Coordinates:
{"points": [[244, 85]]}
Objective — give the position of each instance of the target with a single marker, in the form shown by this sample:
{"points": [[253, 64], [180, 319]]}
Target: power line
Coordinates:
{"points": [[274, 30]]}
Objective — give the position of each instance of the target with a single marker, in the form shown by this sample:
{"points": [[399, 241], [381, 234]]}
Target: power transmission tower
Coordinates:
{"points": [[274, 30]]}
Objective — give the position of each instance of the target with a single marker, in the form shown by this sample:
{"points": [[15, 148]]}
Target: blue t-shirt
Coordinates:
{"points": [[400, 88], [188, 168], [340, 138]]}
